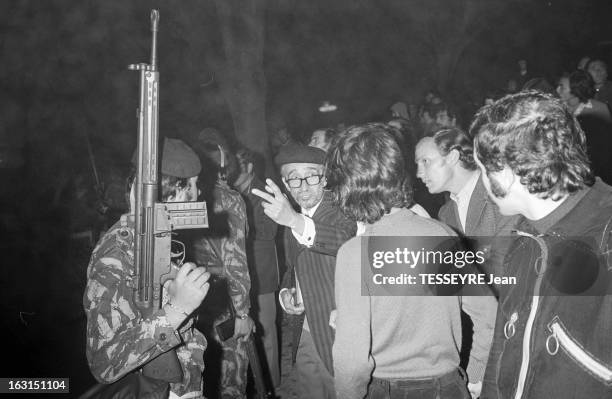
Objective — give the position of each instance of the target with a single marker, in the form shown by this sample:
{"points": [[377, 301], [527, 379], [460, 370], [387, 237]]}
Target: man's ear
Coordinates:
{"points": [[506, 178], [453, 157], [250, 167]]}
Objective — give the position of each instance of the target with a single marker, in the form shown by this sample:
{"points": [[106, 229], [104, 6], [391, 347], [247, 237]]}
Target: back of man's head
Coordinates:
{"points": [[536, 137], [582, 85], [368, 173], [246, 156], [456, 139]]}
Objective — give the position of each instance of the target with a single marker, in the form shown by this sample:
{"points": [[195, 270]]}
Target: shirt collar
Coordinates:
{"points": [[468, 188]]}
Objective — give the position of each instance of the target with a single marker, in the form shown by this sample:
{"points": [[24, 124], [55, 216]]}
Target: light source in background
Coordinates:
{"points": [[327, 106]]}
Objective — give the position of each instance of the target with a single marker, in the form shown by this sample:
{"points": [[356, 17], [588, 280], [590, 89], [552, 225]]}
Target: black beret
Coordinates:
{"points": [[178, 159], [299, 153]]}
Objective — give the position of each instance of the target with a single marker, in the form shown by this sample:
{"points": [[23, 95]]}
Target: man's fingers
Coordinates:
{"points": [[262, 195], [272, 208], [333, 315], [269, 213], [205, 288], [202, 279], [277, 191], [297, 309], [185, 270], [292, 309], [195, 274]]}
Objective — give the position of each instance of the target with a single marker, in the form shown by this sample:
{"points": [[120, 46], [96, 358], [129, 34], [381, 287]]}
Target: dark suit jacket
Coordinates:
{"points": [[261, 247], [315, 268], [483, 219]]}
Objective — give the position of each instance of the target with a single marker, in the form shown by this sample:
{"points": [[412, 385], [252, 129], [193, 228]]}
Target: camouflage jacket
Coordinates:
{"points": [[119, 338], [223, 245]]}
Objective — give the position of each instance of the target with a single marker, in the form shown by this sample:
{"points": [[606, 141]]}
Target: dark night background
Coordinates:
{"points": [[65, 81]]}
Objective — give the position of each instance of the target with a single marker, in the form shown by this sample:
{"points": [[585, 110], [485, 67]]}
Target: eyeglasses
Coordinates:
{"points": [[310, 180]]}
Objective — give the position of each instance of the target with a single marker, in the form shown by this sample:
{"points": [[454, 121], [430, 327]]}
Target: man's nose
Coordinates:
{"points": [[303, 187], [419, 173]]}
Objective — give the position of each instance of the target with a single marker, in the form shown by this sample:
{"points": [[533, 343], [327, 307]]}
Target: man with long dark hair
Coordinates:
{"points": [[387, 346]]}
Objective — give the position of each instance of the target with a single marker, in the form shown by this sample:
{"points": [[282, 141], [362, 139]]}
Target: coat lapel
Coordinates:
{"points": [[478, 202], [455, 211]]}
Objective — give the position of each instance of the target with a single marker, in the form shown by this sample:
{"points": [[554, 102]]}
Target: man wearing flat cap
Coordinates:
{"points": [[312, 240], [120, 339]]}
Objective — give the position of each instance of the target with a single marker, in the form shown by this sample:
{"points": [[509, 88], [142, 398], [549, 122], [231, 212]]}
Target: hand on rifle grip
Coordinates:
{"points": [[190, 287]]}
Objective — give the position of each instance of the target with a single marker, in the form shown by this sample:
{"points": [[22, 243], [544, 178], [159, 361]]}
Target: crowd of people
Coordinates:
{"points": [[532, 167]]}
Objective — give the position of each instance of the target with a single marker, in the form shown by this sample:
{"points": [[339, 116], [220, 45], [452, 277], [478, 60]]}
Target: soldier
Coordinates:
{"points": [[263, 264], [119, 338], [222, 249]]}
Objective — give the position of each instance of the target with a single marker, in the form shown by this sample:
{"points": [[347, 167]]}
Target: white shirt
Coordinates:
{"points": [[462, 199], [306, 238]]}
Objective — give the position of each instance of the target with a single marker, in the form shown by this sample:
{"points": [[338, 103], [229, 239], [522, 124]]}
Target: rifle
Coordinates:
{"points": [[155, 221], [258, 376], [101, 203], [225, 331]]}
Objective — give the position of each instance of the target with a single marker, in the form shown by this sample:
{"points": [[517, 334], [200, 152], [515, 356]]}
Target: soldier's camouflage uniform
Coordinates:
{"points": [[223, 247], [119, 338]]}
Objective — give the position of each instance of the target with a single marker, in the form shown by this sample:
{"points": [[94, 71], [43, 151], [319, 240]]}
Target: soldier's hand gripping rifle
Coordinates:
{"points": [[154, 221]]}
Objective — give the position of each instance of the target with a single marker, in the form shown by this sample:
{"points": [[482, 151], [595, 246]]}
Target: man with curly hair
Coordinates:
{"points": [[552, 333]]}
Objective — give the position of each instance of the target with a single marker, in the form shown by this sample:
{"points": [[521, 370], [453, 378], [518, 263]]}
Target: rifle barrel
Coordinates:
{"points": [[154, 29]]}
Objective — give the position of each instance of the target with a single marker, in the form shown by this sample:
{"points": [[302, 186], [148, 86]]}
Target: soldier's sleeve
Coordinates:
{"points": [[206, 253], [119, 340], [234, 255]]}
